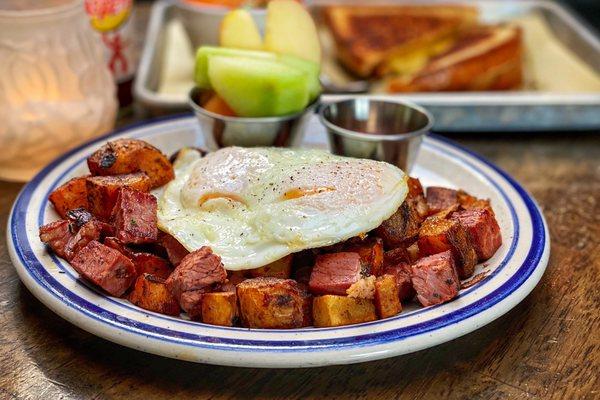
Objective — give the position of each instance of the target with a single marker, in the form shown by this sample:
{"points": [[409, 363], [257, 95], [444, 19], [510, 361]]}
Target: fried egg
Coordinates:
{"points": [[253, 206]]}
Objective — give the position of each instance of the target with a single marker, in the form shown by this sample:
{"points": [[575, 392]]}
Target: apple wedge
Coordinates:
{"points": [[205, 52], [310, 68], [291, 30], [255, 87], [238, 30]]}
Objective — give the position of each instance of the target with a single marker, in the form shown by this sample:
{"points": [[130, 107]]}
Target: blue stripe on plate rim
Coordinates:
{"points": [[43, 278]]}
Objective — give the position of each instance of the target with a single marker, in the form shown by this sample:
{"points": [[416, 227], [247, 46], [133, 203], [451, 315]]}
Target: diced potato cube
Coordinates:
{"points": [[401, 227], [438, 235], [220, 308], [272, 303], [69, 196], [370, 251], [387, 302], [413, 251], [332, 310], [125, 156], [281, 268], [150, 292]]}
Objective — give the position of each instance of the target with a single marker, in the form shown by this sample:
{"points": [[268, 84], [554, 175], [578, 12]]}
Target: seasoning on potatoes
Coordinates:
{"points": [[272, 303], [332, 310], [125, 156]]}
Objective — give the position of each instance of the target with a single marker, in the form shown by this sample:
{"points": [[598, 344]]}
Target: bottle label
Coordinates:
{"points": [[108, 15], [111, 18]]}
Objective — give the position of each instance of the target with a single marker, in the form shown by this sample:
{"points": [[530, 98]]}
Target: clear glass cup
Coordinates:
{"points": [[55, 88]]}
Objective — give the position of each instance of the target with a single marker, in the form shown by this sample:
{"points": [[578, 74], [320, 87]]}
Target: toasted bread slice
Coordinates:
{"points": [[485, 58], [367, 36]]}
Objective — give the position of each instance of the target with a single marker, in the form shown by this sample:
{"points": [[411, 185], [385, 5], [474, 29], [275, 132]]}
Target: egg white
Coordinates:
{"points": [[247, 203]]}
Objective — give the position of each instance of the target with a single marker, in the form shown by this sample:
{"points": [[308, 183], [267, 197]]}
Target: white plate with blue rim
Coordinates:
{"points": [[510, 274]]}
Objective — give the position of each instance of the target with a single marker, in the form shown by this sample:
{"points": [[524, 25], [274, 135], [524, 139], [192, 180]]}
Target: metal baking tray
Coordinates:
{"points": [[525, 110]]}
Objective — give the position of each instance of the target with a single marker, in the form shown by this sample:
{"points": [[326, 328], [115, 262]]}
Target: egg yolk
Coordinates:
{"points": [[301, 192], [209, 196]]}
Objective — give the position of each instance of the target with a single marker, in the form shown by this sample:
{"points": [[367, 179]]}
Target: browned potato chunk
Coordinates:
{"points": [[439, 235], [125, 156], [469, 202], [103, 190], [281, 268], [332, 310], [69, 196], [273, 303], [370, 251], [387, 302], [219, 308], [150, 292], [413, 251], [401, 227]]}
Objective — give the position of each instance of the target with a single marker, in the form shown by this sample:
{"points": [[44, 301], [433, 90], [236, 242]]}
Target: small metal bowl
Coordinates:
{"points": [[222, 131], [364, 127]]}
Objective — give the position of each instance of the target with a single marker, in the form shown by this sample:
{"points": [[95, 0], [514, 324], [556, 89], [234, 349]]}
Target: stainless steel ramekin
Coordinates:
{"points": [[222, 131], [365, 127]]}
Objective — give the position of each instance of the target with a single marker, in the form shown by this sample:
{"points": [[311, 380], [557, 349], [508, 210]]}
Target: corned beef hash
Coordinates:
{"points": [[266, 237]]}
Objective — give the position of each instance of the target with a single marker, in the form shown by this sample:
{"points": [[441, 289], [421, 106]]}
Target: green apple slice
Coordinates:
{"points": [[311, 68], [255, 87], [205, 52]]}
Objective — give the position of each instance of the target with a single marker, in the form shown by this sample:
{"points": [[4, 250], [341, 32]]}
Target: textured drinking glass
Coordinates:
{"points": [[55, 88]]}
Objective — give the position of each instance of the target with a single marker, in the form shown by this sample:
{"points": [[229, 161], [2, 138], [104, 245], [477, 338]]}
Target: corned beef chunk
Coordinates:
{"points": [[134, 217], [438, 235], [197, 273], [335, 273], [191, 303], [145, 263], [105, 267], [174, 249], [440, 198], [302, 275], [435, 279], [402, 273], [116, 244], [102, 191], [91, 230], [483, 231], [57, 235]]}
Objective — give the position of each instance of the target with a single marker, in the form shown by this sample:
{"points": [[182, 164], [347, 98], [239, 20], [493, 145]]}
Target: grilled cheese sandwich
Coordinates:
{"points": [[371, 40], [485, 58]]}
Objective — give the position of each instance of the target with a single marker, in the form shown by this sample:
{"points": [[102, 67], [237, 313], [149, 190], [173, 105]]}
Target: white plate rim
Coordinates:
{"points": [[293, 351]]}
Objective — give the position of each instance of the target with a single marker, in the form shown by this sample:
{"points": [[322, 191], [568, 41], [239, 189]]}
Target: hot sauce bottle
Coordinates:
{"points": [[112, 19]]}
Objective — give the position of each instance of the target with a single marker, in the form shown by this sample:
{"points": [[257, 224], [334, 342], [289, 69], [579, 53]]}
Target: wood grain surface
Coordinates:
{"points": [[548, 347]]}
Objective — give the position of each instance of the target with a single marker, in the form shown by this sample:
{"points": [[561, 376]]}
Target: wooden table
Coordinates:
{"points": [[547, 347]]}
